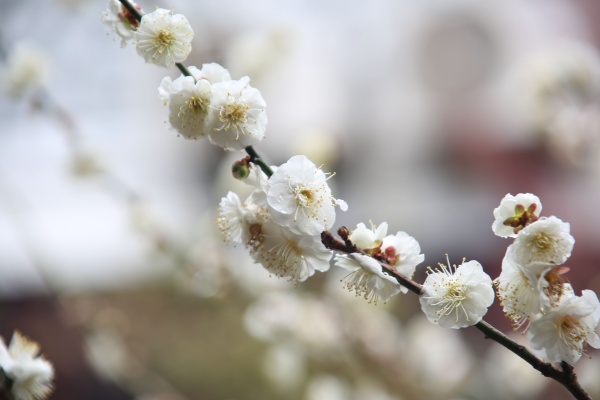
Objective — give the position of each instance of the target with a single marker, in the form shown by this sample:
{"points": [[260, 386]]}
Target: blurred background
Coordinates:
{"points": [[429, 112]]}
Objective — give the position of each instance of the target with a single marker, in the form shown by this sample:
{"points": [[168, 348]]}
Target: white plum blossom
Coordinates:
{"points": [[402, 252], [459, 299], [514, 213], [366, 277], [31, 374], [230, 219], [26, 69], [188, 101], [518, 290], [545, 241], [118, 19], [300, 198], [286, 254], [242, 222], [237, 115], [561, 333], [366, 239], [212, 72], [280, 251], [163, 38], [189, 98]]}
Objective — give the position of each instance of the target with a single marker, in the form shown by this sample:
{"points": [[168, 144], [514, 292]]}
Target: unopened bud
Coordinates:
{"points": [[240, 169]]}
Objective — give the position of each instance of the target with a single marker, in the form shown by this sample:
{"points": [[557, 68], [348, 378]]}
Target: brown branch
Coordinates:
{"points": [[564, 375]]}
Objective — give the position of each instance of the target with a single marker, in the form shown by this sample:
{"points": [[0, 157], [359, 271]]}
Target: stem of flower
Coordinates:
{"points": [[565, 375], [256, 159]]}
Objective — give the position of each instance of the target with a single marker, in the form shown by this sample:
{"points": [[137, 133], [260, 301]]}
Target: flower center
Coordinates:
{"points": [[192, 112], [233, 115], [456, 293], [522, 217], [163, 40], [256, 236], [304, 195], [573, 332], [542, 241]]}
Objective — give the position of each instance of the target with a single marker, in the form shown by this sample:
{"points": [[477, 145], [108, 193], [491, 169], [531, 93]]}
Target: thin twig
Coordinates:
{"points": [[564, 375]]}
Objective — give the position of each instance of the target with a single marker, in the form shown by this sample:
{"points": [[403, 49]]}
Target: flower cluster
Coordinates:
{"points": [[202, 102], [282, 219], [118, 19], [31, 374], [531, 287], [161, 38], [400, 252], [209, 103]]}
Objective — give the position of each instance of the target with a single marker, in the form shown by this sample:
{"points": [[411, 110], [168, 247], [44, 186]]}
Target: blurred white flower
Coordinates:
{"points": [[366, 277], [431, 351], [545, 241], [106, 352], [85, 163], [301, 318], [31, 373], [237, 115], [300, 198], [561, 333], [459, 299], [284, 365], [561, 90], [163, 38], [27, 69], [327, 387], [119, 20], [514, 213]]}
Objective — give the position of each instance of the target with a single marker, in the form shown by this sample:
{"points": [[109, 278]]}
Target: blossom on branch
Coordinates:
{"points": [[300, 199], [518, 292], [457, 299], [561, 333], [118, 19], [514, 213], [30, 373], [366, 277], [163, 38], [237, 115], [188, 102], [368, 240], [546, 241], [286, 254], [402, 252]]}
